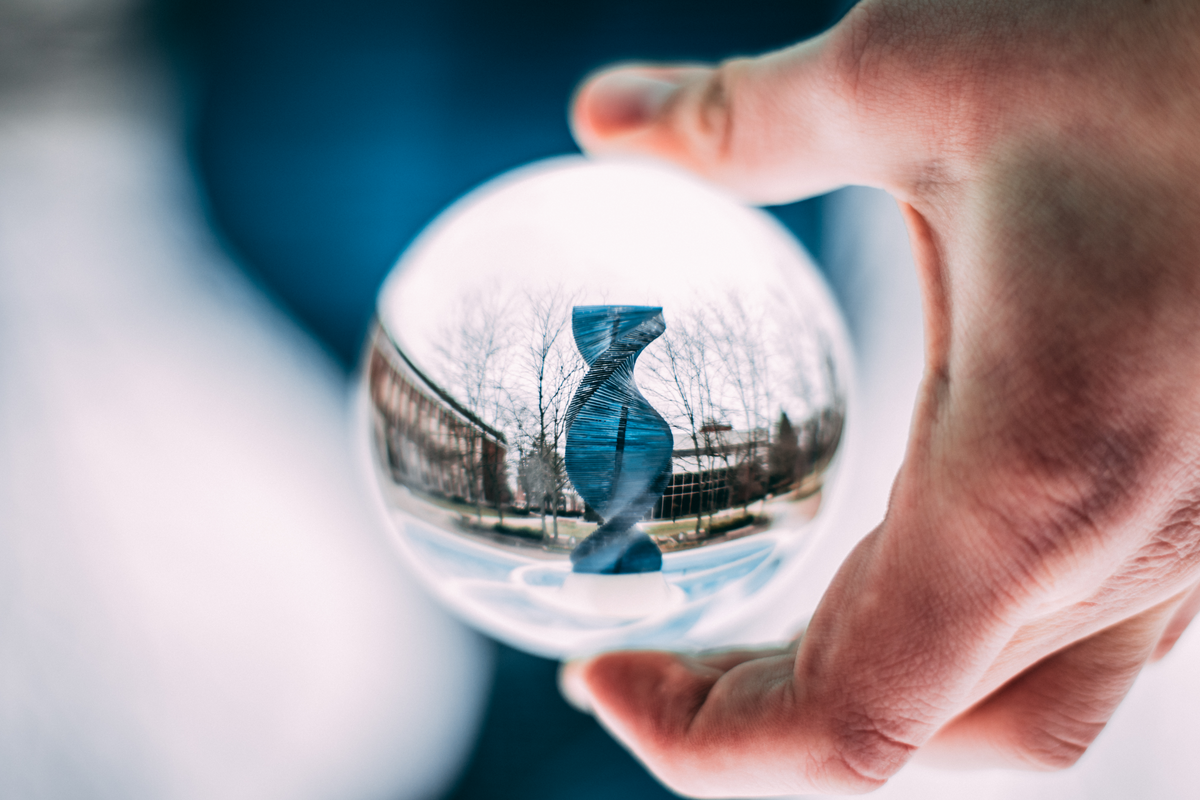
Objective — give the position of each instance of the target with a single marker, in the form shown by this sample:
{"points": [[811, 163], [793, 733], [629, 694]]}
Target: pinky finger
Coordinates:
{"points": [[1047, 717]]}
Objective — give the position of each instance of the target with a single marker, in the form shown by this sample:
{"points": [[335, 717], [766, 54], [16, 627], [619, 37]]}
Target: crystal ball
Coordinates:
{"points": [[601, 402]]}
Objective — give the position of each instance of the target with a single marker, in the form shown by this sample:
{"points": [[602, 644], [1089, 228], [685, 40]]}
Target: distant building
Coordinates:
{"points": [[430, 442], [720, 467], [716, 469]]}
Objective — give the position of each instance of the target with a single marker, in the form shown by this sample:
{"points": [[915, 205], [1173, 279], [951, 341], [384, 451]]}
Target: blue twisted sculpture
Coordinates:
{"points": [[618, 452]]}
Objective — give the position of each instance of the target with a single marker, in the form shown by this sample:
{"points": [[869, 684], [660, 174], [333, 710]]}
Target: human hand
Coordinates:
{"points": [[1042, 542]]}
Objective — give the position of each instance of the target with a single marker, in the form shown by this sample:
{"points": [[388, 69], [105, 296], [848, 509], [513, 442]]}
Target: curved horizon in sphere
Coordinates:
{"points": [[611, 364]]}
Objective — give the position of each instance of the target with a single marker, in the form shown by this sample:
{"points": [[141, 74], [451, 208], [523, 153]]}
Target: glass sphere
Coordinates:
{"points": [[602, 402]]}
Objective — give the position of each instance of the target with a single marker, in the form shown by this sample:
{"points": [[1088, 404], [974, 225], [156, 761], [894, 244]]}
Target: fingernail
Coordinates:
{"points": [[624, 100], [570, 683]]}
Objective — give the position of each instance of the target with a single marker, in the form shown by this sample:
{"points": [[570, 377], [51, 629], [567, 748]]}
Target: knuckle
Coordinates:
{"points": [[868, 751], [709, 121], [1176, 544], [716, 115], [1057, 745], [724, 122]]}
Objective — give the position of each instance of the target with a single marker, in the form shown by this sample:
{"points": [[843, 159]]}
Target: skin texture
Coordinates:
{"points": [[1042, 542]]}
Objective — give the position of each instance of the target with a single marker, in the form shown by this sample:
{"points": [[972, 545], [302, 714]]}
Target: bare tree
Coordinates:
{"points": [[684, 369], [476, 357], [741, 345], [550, 370]]}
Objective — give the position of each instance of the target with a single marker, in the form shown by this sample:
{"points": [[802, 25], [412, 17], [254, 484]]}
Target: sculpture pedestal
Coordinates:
{"points": [[629, 596]]}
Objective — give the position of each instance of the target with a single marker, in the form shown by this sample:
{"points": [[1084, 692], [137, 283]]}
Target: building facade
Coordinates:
{"points": [[427, 439]]}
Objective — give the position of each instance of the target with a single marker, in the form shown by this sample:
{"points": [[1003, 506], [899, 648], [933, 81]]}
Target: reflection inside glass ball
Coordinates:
{"points": [[604, 401]]}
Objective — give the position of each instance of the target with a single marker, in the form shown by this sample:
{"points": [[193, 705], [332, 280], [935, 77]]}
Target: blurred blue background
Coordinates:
{"points": [[325, 135], [196, 600]]}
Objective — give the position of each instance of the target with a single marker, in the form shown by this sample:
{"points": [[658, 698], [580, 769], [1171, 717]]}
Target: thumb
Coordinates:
{"points": [[771, 128]]}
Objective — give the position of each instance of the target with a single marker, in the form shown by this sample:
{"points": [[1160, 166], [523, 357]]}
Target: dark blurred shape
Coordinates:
{"points": [[326, 134], [536, 747]]}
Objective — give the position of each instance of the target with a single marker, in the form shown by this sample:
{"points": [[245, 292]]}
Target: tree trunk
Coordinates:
{"points": [[554, 511]]}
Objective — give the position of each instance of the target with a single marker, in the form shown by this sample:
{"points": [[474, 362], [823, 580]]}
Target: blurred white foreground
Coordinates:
{"points": [[195, 599]]}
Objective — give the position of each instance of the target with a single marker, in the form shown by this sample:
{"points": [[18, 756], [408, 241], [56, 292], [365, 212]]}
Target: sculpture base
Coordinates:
{"points": [[628, 596], [616, 548]]}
